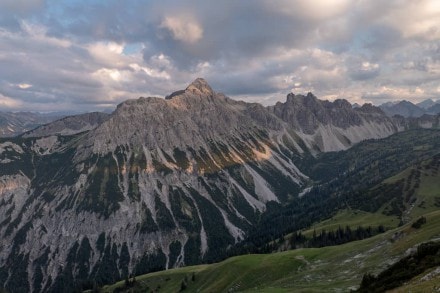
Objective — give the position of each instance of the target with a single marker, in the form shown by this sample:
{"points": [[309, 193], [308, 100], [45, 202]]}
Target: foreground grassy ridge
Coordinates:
{"points": [[425, 258], [311, 270]]}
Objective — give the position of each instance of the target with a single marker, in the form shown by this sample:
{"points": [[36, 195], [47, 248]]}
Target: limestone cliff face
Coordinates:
{"points": [[159, 183], [189, 118]]}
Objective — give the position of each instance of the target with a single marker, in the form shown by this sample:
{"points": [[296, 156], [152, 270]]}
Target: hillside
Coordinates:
{"points": [[349, 180], [312, 270], [329, 268]]}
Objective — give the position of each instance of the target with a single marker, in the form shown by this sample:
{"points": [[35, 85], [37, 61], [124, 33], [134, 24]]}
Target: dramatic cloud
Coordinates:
{"points": [[182, 29], [91, 55], [363, 70]]}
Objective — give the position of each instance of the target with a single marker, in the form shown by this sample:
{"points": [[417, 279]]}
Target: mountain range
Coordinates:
{"points": [[408, 109], [162, 183], [15, 123]]}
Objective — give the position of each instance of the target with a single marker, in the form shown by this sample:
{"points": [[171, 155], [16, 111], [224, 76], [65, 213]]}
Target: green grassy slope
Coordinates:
{"points": [[423, 183], [310, 270], [420, 195]]}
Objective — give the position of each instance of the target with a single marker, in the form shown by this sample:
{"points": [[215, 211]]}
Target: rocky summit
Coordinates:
{"points": [[159, 183]]}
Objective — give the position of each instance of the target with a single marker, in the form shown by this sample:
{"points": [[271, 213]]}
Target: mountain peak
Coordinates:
{"points": [[200, 87], [427, 103]]}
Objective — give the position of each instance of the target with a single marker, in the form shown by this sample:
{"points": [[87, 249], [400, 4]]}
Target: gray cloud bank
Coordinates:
{"points": [[91, 55]]}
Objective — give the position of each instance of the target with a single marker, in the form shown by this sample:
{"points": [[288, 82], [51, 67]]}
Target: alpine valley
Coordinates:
{"points": [[196, 177]]}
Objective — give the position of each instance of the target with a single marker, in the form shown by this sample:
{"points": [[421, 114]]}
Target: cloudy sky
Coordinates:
{"points": [[90, 55]]}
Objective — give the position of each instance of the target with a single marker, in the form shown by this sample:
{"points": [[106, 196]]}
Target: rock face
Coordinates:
{"points": [[159, 183], [191, 118]]}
